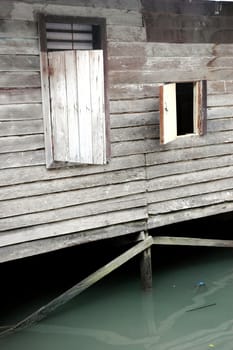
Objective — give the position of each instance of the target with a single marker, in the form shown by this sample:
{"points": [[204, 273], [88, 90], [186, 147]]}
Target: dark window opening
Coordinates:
{"points": [[184, 108]]}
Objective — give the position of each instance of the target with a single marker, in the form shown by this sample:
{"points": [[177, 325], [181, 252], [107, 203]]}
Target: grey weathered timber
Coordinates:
{"points": [[70, 183], [146, 267], [17, 251], [20, 111], [19, 46], [20, 63], [19, 80], [21, 143], [75, 211], [72, 225], [21, 29], [21, 95], [25, 175], [200, 242], [77, 289], [188, 214], [62, 199], [21, 127]]}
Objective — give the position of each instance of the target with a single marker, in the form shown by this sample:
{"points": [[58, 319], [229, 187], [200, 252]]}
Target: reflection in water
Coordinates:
{"points": [[116, 314]]}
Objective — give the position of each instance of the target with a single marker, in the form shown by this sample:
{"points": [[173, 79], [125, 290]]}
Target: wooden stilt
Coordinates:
{"points": [[146, 268]]}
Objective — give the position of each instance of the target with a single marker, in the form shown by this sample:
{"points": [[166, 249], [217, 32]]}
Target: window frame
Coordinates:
{"points": [[168, 117], [44, 69]]}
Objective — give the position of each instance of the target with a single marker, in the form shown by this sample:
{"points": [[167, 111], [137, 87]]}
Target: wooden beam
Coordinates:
{"points": [[45, 310], [199, 242]]}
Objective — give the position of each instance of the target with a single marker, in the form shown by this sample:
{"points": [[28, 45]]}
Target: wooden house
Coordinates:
{"points": [[97, 138]]}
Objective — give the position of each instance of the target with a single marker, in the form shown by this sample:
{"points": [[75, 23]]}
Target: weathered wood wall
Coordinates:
{"points": [[144, 183]]}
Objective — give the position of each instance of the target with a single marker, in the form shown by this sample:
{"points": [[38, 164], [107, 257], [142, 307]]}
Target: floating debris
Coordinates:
{"points": [[201, 307]]}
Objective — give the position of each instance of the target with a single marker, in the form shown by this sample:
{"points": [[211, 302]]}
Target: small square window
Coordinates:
{"points": [[182, 110]]}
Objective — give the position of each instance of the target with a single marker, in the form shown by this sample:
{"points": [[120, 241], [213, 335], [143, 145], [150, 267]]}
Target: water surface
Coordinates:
{"points": [[190, 307]]}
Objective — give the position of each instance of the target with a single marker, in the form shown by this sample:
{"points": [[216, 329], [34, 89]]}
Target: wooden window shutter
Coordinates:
{"points": [[77, 106], [168, 125]]}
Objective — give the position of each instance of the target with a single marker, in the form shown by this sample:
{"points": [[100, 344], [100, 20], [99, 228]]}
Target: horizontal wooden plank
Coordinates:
{"points": [[154, 64], [134, 133], [172, 75], [71, 226], [146, 49], [11, 96], [128, 91], [21, 127], [64, 199], [36, 247], [19, 159], [190, 178], [214, 87], [25, 11], [71, 183], [126, 33], [141, 105], [134, 119], [192, 141], [133, 147], [19, 80], [111, 4], [220, 125], [21, 143], [113, 16], [13, 46], [196, 242], [199, 200], [191, 214], [19, 63], [20, 111], [18, 29], [219, 100], [175, 155], [219, 112], [183, 167], [84, 210], [40, 173], [154, 198]]}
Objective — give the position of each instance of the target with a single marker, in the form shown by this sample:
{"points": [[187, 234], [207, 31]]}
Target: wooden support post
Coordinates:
{"points": [[146, 268]]}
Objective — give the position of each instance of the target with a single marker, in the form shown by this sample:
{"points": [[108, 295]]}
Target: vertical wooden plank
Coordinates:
{"points": [[72, 107], [84, 110], [168, 125], [58, 96], [200, 107], [45, 91], [202, 122], [97, 107]]}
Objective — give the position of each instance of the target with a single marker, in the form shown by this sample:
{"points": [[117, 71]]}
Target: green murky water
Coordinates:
{"points": [[115, 313]]}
